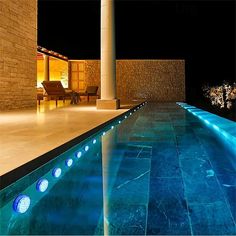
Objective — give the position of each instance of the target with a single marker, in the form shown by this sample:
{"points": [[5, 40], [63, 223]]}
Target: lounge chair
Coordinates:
{"points": [[54, 89], [90, 91]]}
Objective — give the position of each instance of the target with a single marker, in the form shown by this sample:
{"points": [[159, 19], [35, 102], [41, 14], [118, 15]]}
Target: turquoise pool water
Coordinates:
{"points": [[160, 171]]}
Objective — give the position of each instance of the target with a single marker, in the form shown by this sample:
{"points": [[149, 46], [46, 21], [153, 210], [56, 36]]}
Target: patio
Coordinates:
{"points": [[28, 134]]}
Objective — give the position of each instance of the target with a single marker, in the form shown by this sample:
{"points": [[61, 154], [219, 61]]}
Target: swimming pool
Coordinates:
{"points": [[156, 170]]}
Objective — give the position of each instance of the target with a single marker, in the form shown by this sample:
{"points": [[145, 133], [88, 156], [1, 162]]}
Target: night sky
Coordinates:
{"points": [[201, 32]]}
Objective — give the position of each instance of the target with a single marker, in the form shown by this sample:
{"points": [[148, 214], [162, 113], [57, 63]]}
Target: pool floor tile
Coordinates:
{"points": [[123, 220], [212, 219], [167, 209]]}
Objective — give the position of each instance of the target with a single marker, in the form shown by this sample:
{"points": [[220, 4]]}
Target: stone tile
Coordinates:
{"points": [[138, 151], [228, 184], [201, 185], [165, 164], [132, 182], [211, 219], [167, 209], [123, 220]]}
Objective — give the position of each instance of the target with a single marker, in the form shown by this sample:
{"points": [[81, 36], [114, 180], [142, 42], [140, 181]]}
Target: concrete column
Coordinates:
{"points": [[46, 67], [108, 58]]}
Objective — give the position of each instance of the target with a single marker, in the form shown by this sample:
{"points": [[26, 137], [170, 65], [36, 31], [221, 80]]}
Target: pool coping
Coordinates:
{"points": [[221, 126], [13, 175]]}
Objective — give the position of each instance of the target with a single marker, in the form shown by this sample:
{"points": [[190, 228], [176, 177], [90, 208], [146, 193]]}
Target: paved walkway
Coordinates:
{"points": [[25, 135]]}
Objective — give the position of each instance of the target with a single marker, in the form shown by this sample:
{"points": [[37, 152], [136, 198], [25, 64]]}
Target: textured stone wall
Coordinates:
{"points": [[92, 73], [154, 80], [18, 41]]}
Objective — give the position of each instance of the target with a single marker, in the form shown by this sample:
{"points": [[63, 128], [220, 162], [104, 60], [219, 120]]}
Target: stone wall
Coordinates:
{"points": [[154, 80], [18, 42]]}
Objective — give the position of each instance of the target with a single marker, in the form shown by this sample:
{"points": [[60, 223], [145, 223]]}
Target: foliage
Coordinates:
{"points": [[222, 95]]}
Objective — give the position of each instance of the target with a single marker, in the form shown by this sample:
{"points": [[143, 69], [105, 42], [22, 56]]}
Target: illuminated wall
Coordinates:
{"points": [[18, 43], [40, 72], [154, 80], [58, 71]]}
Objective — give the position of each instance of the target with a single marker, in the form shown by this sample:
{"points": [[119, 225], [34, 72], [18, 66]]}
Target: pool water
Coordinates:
{"points": [[161, 171]]}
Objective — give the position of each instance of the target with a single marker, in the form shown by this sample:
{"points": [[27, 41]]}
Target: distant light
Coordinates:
{"points": [[103, 133], [134, 109], [130, 113], [42, 185], [69, 162], [119, 121], [112, 127], [79, 154], [56, 172], [86, 148], [125, 117], [94, 141], [21, 203]]}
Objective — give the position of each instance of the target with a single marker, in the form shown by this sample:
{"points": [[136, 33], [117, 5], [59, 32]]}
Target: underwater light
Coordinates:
{"points": [[206, 121], [94, 141], [130, 113], [79, 154], [21, 203], [103, 133], [112, 127], [86, 148], [56, 172], [125, 117], [119, 121], [134, 109], [42, 185], [69, 162]]}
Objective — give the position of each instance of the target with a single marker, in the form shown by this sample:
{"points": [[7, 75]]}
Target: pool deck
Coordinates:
{"points": [[28, 134]]}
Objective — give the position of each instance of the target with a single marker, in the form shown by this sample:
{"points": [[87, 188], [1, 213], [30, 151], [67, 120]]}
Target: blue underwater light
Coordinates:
{"points": [[94, 141], [69, 162], [56, 172], [42, 185], [21, 203], [79, 154], [86, 148]]}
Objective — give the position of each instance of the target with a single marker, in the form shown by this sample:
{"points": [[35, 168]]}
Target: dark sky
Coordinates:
{"points": [[201, 32]]}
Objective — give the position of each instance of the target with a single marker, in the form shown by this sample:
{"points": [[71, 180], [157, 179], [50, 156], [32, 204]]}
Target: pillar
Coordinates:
{"points": [[46, 67], [46, 73], [108, 58]]}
